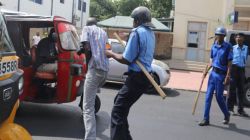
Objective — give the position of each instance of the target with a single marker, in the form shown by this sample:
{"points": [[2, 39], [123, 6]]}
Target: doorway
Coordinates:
{"points": [[196, 41]]}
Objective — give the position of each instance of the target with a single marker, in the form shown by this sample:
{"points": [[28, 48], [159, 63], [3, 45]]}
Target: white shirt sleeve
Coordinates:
{"points": [[84, 35]]}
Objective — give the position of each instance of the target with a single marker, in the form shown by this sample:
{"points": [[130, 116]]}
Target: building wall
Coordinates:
{"points": [[213, 12], [83, 16], [64, 9], [243, 7], [9, 4], [242, 2], [68, 9], [35, 8]]}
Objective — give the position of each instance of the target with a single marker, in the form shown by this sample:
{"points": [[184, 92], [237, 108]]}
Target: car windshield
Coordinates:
{"points": [[68, 37], [246, 40], [117, 47], [5, 42]]}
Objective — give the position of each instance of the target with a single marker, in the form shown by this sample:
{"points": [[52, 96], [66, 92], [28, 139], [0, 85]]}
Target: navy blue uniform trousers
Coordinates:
{"points": [[135, 85], [215, 84]]}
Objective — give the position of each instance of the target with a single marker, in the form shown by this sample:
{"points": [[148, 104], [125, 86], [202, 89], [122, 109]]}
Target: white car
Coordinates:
{"points": [[118, 72]]}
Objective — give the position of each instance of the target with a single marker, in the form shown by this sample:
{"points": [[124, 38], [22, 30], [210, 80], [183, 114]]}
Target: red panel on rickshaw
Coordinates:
{"points": [[66, 88], [66, 83]]}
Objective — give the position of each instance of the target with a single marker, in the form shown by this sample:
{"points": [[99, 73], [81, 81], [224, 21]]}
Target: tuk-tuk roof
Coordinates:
{"points": [[22, 16]]}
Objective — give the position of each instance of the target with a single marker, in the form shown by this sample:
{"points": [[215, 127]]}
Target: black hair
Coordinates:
{"points": [[240, 34], [91, 21]]}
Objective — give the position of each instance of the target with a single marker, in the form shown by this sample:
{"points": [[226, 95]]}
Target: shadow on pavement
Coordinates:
{"points": [[171, 92], [52, 120], [233, 127], [114, 86]]}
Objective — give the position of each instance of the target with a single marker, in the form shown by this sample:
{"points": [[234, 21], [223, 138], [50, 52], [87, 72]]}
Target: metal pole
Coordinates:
{"points": [[18, 5], [82, 12], [73, 11], [51, 12]]}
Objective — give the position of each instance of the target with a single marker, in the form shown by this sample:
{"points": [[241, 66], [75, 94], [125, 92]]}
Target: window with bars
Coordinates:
{"points": [[83, 6]]}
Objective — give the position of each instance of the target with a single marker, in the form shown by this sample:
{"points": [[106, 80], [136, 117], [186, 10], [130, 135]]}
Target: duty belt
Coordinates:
{"points": [[219, 71]]}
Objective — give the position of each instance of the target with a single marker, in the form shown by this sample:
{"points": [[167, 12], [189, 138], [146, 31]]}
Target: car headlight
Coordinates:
{"points": [[20, 84]]}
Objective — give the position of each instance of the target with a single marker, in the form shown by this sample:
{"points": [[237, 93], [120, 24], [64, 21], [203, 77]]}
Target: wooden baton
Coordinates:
{"points": [[150, 78], [198, 94]]}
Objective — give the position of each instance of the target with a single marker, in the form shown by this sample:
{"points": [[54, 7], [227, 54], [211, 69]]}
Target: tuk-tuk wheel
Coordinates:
{"points": [[97, 104], [13, 131]]}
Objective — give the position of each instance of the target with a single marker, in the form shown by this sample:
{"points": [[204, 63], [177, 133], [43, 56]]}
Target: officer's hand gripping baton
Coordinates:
{"points": [[156, 86], [198, 94]]}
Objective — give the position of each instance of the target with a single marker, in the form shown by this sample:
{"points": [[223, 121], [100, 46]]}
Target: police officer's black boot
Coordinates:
{"points": [[204, 123], [226, 120]]}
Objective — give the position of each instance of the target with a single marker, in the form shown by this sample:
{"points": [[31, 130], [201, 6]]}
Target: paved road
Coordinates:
{"points": [[151, 118]]}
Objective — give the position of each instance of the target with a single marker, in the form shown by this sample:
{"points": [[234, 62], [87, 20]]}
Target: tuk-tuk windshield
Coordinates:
{"points": [[5, 42], [68, 36]]}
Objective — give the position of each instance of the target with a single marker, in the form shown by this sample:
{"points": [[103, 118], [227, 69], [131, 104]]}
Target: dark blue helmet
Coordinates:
{"points": [[142, 15], [221, 31]]}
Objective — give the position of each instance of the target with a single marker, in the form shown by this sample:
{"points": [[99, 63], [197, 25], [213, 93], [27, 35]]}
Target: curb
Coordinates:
{"points": [[191, 90]]}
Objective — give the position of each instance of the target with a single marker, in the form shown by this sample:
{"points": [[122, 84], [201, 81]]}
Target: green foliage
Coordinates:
{"points": [[125, 7], [160, 8], [103, 9]]}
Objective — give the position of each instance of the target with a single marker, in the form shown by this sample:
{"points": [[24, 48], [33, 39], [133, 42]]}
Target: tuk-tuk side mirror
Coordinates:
{"points": [[76, 69]]}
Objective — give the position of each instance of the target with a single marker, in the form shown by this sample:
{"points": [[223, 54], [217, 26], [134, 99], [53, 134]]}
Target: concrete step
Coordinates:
{"points": [[186, 65]]}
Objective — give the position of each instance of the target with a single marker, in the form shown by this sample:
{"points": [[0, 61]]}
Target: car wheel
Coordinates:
{"points": [[151, 89], [97, 104], [247, 95]]}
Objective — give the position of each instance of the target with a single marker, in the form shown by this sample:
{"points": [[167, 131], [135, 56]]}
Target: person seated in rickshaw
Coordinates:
{"points": [[46, 53]]}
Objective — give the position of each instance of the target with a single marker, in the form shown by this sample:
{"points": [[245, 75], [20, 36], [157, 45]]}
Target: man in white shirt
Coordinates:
{"points": [[36, 38]]}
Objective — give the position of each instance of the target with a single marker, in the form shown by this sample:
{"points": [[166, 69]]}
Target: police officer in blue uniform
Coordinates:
{"points": [[220, 61], [140, 46], [240, 54]]}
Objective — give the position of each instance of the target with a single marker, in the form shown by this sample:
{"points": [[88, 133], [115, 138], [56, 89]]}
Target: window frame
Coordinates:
{"points": [[62, 1], [82, 7], [37, 1]]}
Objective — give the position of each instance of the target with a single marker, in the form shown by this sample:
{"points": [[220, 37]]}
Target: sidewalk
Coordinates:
{"points": [[186, 80]]}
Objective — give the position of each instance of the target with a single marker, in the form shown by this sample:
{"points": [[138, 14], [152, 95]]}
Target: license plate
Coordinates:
{"points": [[7, 67]]}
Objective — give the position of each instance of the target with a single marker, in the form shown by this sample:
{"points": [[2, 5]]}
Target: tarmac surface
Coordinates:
{"points": [[151, 118]]}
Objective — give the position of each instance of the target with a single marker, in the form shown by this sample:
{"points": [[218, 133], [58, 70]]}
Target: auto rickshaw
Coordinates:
{"points": [[67, 82], [11, 85]]}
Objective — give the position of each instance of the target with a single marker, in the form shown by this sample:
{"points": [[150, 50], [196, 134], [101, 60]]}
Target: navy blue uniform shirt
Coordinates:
{"points": [[144, 51], [221, 55]]}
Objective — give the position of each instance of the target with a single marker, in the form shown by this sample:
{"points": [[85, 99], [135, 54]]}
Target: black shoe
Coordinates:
{"points": [[226, 120], [232, 112], [243, 113], [204, 123]]}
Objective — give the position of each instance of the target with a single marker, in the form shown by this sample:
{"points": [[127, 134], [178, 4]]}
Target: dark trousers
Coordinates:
{"points": [[236, 88], [135, 85]]}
